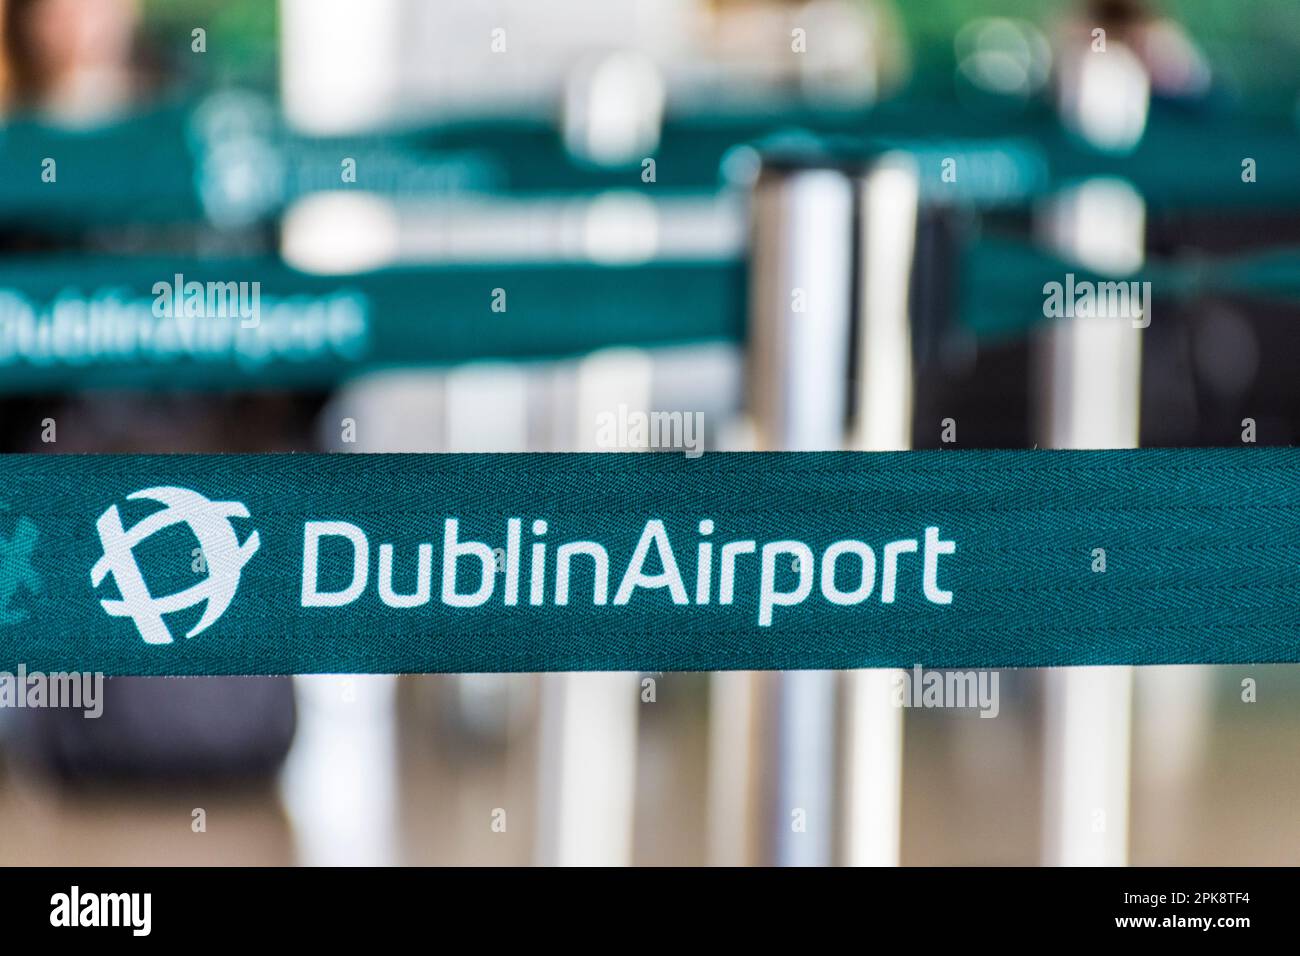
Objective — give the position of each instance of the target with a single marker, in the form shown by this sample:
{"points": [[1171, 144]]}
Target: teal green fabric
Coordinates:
{"points": [[188, 163], [91, 322], [141, 170], [1001, 282], [1047, 558]]}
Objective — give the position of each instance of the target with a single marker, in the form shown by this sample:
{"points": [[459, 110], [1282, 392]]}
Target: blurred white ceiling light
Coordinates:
{"points": [[1106, 97], [1102, 222], [339, 63], [1004, 56], [333, 233], [621, 227], [614, 108]]}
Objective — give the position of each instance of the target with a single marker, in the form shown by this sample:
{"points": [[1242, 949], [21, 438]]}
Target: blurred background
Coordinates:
{"points": [[512, 131]]}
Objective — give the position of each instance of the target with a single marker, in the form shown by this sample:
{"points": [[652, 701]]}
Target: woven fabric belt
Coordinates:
{"points": [[271, 564]]}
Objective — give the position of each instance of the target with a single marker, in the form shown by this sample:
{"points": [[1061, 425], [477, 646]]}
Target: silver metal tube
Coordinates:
{"points": [[588, 726], [871, 802], [799, 361], [1092, 396]]}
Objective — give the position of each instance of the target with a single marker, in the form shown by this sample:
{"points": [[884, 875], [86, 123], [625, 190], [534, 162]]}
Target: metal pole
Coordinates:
{"points": [[873, 753], [1093, 396], [783, 734], [588, 735], [1092, 400]]}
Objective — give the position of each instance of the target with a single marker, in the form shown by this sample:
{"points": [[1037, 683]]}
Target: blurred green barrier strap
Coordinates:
{"points": [[85, 322], [230, 159], [273, 564], [143, 323], [1007, 286]]}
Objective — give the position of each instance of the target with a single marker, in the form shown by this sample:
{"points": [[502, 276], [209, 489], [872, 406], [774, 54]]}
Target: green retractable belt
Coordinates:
{"points": [[231, 159], [78, 323], [70, 323], [1005, 287], [269, 564]]}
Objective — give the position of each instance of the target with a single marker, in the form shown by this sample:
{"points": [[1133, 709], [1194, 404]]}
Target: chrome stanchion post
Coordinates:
{"points": [[871, 802], [588, 721], [798, 367], [1091, 394]]}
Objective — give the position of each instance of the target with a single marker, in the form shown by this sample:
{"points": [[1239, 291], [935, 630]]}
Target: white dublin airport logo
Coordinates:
{"points": [[223, 555]]}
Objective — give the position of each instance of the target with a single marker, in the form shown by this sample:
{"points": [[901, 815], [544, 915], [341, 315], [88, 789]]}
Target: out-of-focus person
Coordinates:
{"points": [[70, 60]]}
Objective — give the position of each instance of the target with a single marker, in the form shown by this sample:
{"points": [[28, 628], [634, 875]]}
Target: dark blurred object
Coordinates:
{"points": [[208, 728], [194, 423]]}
